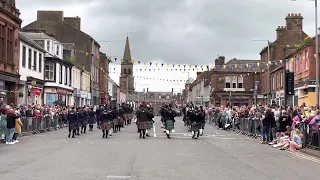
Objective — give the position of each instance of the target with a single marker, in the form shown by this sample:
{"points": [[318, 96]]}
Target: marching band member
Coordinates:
{"points": [[150, 120], [79, 121], [203, 120], [115, 120], [143, 115], [106, 118], [169, 120], [92, 119], [85, 120], [72, 119], [196, 118]]}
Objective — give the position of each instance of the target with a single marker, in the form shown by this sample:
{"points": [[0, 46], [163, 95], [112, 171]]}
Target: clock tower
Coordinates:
{"points": [[126, 76]]}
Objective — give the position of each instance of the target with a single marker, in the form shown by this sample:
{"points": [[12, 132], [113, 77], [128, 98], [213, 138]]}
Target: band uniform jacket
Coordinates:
{"points": [[106, 118]]}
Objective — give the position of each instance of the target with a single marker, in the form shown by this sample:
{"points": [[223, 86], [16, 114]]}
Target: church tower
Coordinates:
{"points": [[126, 76]]}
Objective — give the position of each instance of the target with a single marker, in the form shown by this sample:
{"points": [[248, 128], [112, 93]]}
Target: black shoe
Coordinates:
{"points": [[73, 136], [110, 134], [69, 136], [140, 136], [193, 136], [103, 135], [147, 135], [81, 132]]}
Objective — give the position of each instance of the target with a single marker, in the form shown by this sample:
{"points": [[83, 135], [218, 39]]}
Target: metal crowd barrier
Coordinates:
{"points": [[253, 128], [34, 125]]}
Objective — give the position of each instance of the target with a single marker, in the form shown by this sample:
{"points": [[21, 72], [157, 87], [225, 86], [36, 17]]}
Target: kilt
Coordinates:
{"points": [[195, 128], [188, 121], [126, 117], [202, 125], [84, 122], [72, 126], [77, 125], [130, 116], [106, 126], [142, 125], [169, 125], [115, 121], [150, 124], [112, 124], [92, 120], [120, 121]]}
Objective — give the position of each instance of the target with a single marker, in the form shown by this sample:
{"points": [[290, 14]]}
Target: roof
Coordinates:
{"points": [[30, 42], [38, 36], [202, 76], [239, 65], [127, 53], [189, 80]]}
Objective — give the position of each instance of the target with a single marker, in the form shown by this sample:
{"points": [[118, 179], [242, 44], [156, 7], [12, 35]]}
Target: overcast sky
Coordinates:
{"points": [[177, 31]]}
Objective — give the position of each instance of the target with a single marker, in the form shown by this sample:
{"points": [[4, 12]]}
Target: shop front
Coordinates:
{"points": [[85, 98], [96, 97], [236, 100], [77, 96], [103, 97], [280, 98], [58, 96], [8, 87], [34, 91]]}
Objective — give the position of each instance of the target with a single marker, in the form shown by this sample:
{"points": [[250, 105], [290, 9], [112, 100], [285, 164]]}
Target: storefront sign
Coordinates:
{"points": [[8, 78], [35, 91], [84, 94], [33, 83], [61, 91], [95, 93], [239, 97], [76, 92], [50, 90]]}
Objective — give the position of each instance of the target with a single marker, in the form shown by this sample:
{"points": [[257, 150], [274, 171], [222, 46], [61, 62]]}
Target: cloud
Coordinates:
{"points": [[179, 31]]}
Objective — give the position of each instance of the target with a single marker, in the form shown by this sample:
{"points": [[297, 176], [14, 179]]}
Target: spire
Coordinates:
{"points": [[127, 54]]}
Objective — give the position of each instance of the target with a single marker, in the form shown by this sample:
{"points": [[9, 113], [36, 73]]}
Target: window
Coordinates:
{"points": [[40, 62], [71, 76], [198, 93], [228, 81], [240, 82], [273, 83], [60, 73], [35, 60], [24, 56], [234, 82], [48, 46], [2, 41], [58, 50], [49, 71], [281, 80], [66, 75], [10, 39], [124, 71], [29, 59]]}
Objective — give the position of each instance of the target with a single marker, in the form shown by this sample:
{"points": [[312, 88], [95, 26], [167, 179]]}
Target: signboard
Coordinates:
{"points": [[33, 82]]}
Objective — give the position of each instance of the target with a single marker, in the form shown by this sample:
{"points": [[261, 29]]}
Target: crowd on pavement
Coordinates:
{"points": [[278, 126]]}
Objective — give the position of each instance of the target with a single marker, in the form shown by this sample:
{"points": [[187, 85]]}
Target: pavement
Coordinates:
{"points": [[218, 155]]}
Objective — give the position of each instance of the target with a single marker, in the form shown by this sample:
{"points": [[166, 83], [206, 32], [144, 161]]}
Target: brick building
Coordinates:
{"points": [[272, 75], [103, 78], [303, 63], [235, 83], [68, 30], [126, 76], [10, 25]]}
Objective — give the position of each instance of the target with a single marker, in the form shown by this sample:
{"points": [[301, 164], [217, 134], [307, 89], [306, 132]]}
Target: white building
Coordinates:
{"points": [[31, 70], [81, 86], [57, 72]]}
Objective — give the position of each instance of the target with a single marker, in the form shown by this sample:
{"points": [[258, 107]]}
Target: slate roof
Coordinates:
{"points": [[239, 65], [30, 42], [38, 36]]}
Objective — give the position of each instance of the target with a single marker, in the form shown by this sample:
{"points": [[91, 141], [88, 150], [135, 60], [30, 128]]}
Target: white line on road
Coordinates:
{"points": [[154, 130], [118, 177], [316, 160]]}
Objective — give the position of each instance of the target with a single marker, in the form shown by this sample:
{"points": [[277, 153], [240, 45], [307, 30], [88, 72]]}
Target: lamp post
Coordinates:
{"points": [[268, 65], [317, 48]]}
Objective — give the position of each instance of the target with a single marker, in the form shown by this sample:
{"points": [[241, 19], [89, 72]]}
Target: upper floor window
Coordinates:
{"points": [[35, 60], [228, 82], [49, 71], [29, 59], [10, 39], [58, 50], [40, 62], [60, 73], [66, 75], [24, 56], [3, 35], [234, 82], [48, 46], [240, 82]]}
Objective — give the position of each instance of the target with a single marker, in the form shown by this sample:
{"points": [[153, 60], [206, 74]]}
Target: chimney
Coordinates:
{"points": [[281, 30], [73, 21], [220, 60], [294, 22], [50, 16]]}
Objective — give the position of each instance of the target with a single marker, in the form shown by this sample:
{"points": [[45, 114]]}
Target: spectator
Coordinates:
{"points": [[11, 123], [18, 128]]}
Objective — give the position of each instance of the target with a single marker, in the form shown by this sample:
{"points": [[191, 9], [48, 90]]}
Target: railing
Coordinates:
{"points": [[34, 125], [253, 128]]}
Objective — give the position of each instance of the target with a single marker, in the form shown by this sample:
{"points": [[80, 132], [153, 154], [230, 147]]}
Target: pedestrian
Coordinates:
{"points": [[11, 124], [18, 127]]}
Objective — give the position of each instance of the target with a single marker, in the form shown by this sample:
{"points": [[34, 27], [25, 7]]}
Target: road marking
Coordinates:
{"points": [[313, 159], [154, 130], [118, 177]]}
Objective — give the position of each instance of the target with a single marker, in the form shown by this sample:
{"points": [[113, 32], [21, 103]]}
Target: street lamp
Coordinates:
{"points": [[317, 46], [268, 65]]}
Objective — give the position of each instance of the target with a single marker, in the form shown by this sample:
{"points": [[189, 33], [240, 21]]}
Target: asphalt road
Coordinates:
{"points": [[218, 155]]}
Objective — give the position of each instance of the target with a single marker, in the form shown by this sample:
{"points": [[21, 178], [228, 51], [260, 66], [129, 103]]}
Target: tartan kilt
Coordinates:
{"points": [[84, 122], [195, 128], [76, 125], [72, 126], [169, 125], [150, 124], [203, 125], [130, 116], [120, 121], [188, 121], [125, 117], [106, 126], [142, 125], [92, 120], [115, 121]]}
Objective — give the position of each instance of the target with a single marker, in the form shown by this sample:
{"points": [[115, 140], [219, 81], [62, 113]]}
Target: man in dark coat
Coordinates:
{"points": [[169, 121], [106, 117], [143, 115], [11, 124], [72, 119], [196, 118]]}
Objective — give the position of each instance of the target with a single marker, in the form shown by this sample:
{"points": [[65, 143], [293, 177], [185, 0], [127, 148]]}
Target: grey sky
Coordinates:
{"points": [[179, 31]]}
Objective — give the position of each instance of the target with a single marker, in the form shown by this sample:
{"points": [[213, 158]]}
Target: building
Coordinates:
{"points": [[126, 76], [103, 78], [112, 90], [76, 85], [303, 63], [57, 72], [287, 38], [10, 25], [186, 91], [197, 89], [31, 68], [233, 83], [122, 97], [68, 30], [85, 93]]}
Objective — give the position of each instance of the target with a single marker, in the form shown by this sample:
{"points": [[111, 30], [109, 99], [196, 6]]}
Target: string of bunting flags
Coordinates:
{"points": [[189, 67]]}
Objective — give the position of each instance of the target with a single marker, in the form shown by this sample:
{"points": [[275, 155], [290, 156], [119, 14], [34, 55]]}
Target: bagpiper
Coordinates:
{"points": [[150, 120], [79, 120], [99, 112], [72, 119], [92, 119], [106, 118], [196, 118], [169, 121], [203, 120], [143, 115], [85, 120]]}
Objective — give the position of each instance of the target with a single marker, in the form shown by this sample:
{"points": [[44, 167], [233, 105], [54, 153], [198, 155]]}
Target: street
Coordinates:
{"points": [[218, 155]]}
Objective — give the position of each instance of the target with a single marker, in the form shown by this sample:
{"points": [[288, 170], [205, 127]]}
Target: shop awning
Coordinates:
{"points": [[35, 91]]}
